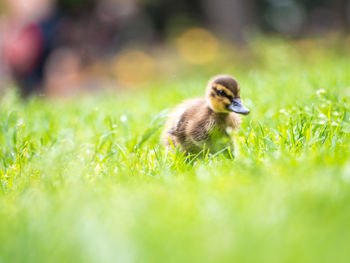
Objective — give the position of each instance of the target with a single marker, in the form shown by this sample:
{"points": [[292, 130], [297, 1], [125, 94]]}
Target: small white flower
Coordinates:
{"points": [[322, 116], [123, 118], [283, 111], [320, 92]]}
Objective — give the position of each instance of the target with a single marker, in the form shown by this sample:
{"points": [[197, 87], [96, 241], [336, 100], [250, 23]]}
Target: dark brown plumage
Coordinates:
{"points": [[202, 123]]}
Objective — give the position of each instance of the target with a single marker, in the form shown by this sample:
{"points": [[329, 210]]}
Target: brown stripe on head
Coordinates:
{"points": [[227, 83], [223, 88]]}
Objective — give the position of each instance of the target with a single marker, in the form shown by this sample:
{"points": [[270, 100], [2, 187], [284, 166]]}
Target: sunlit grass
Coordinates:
{"points": [[86, 180]]}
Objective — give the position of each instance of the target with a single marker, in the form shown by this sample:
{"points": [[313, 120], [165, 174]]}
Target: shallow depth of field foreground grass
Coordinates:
{"points": [[86, 180]]}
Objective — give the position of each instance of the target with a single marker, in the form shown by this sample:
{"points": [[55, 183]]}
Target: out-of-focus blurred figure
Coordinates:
{"points": [[28, 34], [50, 43]]}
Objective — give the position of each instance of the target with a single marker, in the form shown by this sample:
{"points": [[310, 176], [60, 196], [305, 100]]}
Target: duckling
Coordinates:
{"points": [[202, 123]]}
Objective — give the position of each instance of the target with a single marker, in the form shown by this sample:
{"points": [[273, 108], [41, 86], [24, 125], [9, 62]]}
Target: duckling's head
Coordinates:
{"points": [[223, 95]]}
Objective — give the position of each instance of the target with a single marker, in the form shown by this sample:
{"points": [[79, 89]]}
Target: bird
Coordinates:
{"points": [[203, 123]]}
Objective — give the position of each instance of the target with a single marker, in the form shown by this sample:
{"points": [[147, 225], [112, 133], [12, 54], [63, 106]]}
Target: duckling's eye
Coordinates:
{"points": [[221, 93]]}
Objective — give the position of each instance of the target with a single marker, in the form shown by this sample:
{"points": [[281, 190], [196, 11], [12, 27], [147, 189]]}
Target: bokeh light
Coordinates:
{"points": [[133, 68], [197, 46]]}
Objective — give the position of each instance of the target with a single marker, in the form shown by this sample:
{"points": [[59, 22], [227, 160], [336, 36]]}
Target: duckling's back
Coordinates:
{"points": [[188, 125]]}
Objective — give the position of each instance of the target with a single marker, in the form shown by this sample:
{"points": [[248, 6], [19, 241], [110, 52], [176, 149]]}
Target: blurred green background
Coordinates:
{"points": [[65, 47]]}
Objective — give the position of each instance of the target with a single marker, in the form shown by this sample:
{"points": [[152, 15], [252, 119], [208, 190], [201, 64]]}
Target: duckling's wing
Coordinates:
{"points": [[182, 119], [176, 124], [199, 131]]}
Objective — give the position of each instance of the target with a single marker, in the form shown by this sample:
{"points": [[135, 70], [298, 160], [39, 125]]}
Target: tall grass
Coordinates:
{"points": [[86, 180]]}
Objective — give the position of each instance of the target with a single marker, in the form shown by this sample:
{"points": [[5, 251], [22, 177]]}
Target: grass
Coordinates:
{"points": [[86, 180]]}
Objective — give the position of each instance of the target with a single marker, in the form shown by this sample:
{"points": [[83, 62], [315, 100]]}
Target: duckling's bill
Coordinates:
{"points": [[237, 107]]}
